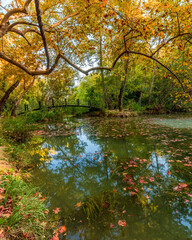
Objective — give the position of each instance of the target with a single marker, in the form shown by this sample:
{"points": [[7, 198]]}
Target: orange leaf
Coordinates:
{"points": [[78, 204], [56, 210], [62, 229]]}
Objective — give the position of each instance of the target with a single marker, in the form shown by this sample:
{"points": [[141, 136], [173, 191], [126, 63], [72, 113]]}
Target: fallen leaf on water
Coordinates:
{"points": [[122, 223], [62, 229], [190, 195], [78, 204], [111, 225], [56, 210]]}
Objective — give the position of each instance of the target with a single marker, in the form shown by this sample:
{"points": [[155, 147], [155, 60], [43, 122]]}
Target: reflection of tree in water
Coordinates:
{"points": [[71, 178]]}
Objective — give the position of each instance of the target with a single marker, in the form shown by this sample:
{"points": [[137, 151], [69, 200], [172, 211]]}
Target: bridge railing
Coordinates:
{"points": [[37, 105]]}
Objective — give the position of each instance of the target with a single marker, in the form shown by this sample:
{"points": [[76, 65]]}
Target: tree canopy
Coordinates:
{"points": [[41, 37]]}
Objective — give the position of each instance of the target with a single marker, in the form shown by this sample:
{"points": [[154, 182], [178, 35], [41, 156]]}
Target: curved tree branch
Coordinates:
{"points": [[31, 30], [150, 57], [32, 73], [72, 64], [69, 16], [21, 23], [16, 10], [41, 30], [154, 59], [179, 35], [20, 33], [60, 55]]}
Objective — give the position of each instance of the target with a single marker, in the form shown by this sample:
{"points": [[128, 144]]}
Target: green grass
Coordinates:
{"points": [[22, 209]]}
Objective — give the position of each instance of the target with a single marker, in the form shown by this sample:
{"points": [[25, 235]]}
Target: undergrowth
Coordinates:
{"points": [[22, 210]]}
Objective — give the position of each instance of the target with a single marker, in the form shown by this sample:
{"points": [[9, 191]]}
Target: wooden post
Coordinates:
{"points": [[25, 107], [77, 102], [53, 104], [40, 105]]}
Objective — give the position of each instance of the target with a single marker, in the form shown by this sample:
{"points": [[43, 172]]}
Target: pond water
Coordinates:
{"points": [[117, 178]]}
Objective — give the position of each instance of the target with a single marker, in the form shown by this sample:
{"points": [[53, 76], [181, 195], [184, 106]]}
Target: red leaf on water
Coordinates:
{"points": [[142, 181], [62, 229], [190, 195], [122, 223], [56, 210], [111, 225], [182, 185], [133, 193]]}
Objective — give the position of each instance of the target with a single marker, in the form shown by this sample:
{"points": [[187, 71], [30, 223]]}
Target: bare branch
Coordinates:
{"points": [[179, 35], [69, 16], [32, 73], [42, 31], [150, 57], [97, 68], [20, 33], [31, 30], [73, 65], [154, 59], [21, 23], [16, 10]]}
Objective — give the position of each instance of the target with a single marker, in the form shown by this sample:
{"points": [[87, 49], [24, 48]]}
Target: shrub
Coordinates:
{"points": [[17, 129], [22, 210], [135, 106]]}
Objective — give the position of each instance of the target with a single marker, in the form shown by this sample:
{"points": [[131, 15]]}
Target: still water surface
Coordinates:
{"points": [[118, 178]]}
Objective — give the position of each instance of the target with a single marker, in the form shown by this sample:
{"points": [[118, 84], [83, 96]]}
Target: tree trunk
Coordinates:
{"points": [[49, 93], [141, 95], [151, 85], [123, 85], [7, 94], [152, 81], [13, 114], [107, 97]]}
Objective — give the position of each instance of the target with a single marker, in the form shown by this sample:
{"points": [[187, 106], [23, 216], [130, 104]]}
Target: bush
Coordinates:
{"points": [[22, 210], [135, 106], [17, 129], [35, 116]]}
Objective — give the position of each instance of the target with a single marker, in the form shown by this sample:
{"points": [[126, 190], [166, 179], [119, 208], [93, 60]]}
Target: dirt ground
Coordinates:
{"points": [[4, 164]]}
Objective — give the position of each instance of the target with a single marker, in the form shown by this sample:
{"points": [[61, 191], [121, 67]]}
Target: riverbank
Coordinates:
{"points": [[22, 208], [5, 166]]}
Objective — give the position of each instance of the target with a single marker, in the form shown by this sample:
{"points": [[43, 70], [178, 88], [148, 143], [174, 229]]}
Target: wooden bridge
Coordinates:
{"points": [[60, 105]]}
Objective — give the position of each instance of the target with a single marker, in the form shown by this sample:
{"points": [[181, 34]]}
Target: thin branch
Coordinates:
{"points": [[179, 28], [97, 68], [32, 73], [42, 31], [154, 59], [20, 33], [72, 64], [179, 35], [69, 16], [31, 30], [22, 23], [16, 10]]}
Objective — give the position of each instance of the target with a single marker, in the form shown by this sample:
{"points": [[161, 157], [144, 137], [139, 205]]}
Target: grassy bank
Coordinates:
{"points": [[23, 212]]}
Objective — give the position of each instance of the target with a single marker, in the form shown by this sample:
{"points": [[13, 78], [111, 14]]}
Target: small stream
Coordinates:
{"points": [[118, 178]]}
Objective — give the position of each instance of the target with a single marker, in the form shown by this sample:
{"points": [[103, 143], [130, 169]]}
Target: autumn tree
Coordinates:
{"points": [[61, 30]]}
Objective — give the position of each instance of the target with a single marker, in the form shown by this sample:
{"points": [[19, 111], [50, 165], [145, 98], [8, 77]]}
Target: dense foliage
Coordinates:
{"points": [[139, 53]]}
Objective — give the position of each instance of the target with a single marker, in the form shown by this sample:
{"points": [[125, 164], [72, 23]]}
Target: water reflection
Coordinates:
{"points": [[108, 171]]}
